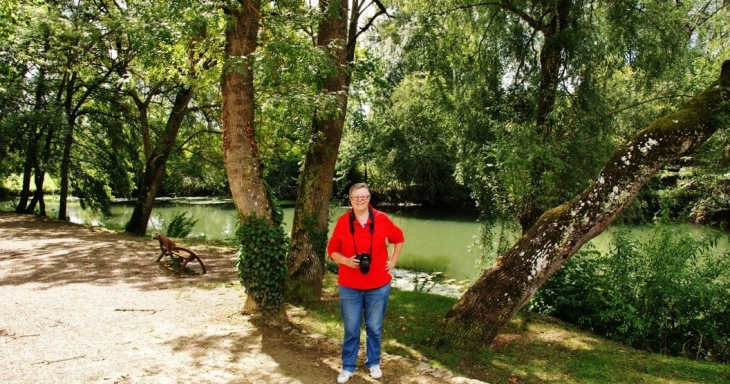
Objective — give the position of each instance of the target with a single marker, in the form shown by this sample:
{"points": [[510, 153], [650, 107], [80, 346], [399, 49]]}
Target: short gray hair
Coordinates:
{"points": [[358, 186]]}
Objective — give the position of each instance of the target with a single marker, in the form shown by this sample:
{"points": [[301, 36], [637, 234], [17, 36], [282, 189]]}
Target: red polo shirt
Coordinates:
{"points": [[342, 242]]}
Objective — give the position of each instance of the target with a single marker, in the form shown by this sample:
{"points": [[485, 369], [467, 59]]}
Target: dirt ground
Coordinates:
{"points": [[86, 305]]}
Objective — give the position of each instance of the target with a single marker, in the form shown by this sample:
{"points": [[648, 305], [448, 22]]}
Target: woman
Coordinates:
{"points": [[358, 245]]}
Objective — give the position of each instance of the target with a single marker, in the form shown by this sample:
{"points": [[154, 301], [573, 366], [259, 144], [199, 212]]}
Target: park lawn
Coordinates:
{"points": [[533, 348]]}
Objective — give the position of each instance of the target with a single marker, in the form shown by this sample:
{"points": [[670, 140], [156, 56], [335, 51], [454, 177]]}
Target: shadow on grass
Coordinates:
{"points": [[531, 349]]}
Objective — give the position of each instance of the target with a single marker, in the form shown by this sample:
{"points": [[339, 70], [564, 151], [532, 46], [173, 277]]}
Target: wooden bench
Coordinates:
{"points": [[177, 254]]}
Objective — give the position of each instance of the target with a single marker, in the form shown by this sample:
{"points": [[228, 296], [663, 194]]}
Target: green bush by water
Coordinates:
{"points": [[667, 294], [180, 226]]}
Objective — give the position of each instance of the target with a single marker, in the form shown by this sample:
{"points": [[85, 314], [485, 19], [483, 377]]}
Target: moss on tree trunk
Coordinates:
{"points": [[559, 233]]}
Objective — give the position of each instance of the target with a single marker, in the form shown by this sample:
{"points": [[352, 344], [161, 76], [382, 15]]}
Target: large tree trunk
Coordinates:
{"points": [[309, 228], [156, 162], [559, 233], [245, 175]]}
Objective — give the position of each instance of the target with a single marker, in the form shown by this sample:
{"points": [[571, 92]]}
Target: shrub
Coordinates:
{"points": [[668, 294], [180, 226]]}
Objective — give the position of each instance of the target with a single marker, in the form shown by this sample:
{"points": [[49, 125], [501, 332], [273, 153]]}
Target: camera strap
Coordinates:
{"points": [[352, 229]]}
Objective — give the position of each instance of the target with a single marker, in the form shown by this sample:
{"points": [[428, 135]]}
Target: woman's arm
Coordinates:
{"points": [[344, 260], [394, 256]]}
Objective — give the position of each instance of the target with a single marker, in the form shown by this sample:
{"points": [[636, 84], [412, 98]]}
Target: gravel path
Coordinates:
{"points": [[85, 305]]}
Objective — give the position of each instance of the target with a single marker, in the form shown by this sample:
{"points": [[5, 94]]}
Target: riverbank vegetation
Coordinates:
{"points": [[512, 107], [533, 348], [665, 293]]}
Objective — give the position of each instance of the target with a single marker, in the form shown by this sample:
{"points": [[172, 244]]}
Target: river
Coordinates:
{"points": [[436, 240]]}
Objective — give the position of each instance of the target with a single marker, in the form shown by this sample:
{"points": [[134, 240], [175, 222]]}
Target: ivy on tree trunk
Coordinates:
{"points": [[240, 155]]}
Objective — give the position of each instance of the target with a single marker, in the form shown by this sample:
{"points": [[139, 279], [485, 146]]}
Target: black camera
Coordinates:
{"points": [[365, 260]]}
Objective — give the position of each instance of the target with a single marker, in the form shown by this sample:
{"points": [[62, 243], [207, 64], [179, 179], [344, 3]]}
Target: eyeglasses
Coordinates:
{"points": [[358, 198]]}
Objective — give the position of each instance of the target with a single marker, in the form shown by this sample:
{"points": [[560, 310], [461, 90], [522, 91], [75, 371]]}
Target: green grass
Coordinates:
{"points": [[531, 349]]}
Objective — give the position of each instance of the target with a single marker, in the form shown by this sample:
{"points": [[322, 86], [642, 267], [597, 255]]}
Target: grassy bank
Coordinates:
{"points": [[532, 349]]}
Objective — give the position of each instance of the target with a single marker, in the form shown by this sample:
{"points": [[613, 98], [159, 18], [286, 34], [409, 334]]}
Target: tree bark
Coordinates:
{"points": [[552, 61], [311, 213], [31, 153], [560, 232], [240, 150], [65, 166], [40, 174], [156, 161]]}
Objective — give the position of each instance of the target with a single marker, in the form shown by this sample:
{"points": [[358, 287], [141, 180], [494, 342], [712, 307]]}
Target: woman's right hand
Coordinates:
{"points": [[346, 261]]}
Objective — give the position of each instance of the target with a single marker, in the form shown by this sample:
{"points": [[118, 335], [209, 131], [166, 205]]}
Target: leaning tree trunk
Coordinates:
{"points": [[309, 228], [559, 233], [156, 163], [245, 175], [74, 99]]}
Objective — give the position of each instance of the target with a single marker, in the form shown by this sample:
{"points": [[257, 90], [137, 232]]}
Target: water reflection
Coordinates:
{"points": [[436, 240]]}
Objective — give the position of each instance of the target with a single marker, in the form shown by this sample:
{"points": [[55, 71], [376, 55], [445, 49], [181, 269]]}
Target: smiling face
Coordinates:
{"points": [[359, 198]]}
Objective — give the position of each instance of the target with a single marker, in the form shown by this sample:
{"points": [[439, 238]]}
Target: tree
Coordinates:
{"points": [[178, 86], [90, 66], [311, 215], [259, 228], [237, 112], [66, 57], [156, 160], [415, 141], [560, 232]]}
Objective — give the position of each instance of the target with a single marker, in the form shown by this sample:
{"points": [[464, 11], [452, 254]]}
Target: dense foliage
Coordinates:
{"points": [[668, 293], [442, 104], [457, 92], [179, 226]]}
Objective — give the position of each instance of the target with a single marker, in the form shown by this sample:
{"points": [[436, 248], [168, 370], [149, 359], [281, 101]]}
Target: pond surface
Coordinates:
{"points": [[436, 240]]}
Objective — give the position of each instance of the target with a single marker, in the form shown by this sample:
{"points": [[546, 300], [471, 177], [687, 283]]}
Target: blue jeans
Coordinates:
{"points": [[353, 304]]}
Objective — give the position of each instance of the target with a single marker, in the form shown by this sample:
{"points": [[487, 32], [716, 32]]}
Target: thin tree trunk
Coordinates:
{"points": [[39, 177], [40, 174], [309, 227], [31, 153], [156, 162], [552, 60], [559, 233], [65, 166]]}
